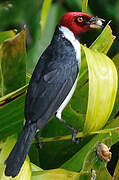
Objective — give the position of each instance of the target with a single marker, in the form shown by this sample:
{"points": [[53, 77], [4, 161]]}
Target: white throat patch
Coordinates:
{"points": [[76, 44]]}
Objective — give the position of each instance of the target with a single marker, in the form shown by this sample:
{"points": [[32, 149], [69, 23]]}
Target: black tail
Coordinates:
{"points": [[18, 154]]}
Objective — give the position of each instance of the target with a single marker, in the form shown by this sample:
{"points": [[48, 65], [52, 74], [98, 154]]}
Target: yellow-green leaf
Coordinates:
{"points": [[44, 13], [13, 63], [75, 163], [116, 172], [102, 44], [15, 93], [6, 35], [35, 168], [104, 40], [84, 5], [55, 174], [25, 172], [102, 89], [12, 117], [116, 105]]}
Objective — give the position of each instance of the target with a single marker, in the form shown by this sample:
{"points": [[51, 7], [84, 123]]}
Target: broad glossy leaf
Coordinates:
{"points": [[79, 100], [3, 36], [101, 44], [116, 105], [96, 166], [12, 117], [76, 162], [16, 93], [25, 172], [13, 95], [59, 174], [84, 5], [13, 63], [104, 41], [102, 89]]}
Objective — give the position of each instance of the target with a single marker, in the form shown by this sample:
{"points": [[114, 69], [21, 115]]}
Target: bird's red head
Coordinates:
{"points": [[79, 22]]}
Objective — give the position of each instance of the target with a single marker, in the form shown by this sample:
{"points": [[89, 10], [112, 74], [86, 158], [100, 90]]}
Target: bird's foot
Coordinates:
{"points": [[38, 138], [74, 139], [74, 131]]}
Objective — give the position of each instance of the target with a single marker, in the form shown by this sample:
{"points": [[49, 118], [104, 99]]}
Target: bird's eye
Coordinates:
{"points": [[80, 19]]}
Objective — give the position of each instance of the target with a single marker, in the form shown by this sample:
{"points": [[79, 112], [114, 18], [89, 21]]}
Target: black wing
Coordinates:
{"points": [[51, 82]]}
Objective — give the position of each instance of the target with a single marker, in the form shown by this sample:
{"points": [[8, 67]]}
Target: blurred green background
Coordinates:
{"points": [[19, 14]]}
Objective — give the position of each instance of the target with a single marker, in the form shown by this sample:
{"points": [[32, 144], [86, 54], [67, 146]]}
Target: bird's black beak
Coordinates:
{"points": [[96, 23]]}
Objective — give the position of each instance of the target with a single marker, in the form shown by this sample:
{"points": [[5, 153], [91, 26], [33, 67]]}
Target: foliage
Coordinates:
{"points": [[7, 146], [88, 112]]}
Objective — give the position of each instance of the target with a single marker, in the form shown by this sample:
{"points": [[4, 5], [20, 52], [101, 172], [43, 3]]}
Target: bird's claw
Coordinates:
{"points": [[74, 139], [39, 144]]}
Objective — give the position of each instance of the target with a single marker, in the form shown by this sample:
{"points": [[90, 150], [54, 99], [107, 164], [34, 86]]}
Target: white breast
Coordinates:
{"points": [[70, 36], [65, 102]]}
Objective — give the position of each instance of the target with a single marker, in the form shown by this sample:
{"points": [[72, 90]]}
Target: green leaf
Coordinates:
{"points": [[96, 166], [84, 5], [102, 44], [116, 106], [25, 172], [35, 168], [13, 63], [76, 162], [11, 117], [104, 41], [44, 13], [13, 95], [6, 35], [102, 89], [116, 172], [16, 93], [59, 174], [80, 97]]}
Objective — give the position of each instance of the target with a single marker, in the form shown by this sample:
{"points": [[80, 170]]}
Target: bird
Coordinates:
{"points": [[52, 83]]}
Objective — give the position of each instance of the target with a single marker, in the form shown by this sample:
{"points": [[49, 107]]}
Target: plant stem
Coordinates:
{"points": [[80, 135]]}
